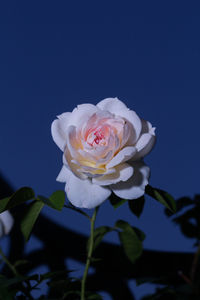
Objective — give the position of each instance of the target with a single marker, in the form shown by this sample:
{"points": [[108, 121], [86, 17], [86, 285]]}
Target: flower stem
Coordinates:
{"points": [[89, 255], [11, 267]]}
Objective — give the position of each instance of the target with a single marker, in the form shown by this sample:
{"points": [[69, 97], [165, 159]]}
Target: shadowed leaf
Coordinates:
{"points": [[130, 241], [116, 201], [161, 196], [33, 211], [20, 196], [136, 206]]}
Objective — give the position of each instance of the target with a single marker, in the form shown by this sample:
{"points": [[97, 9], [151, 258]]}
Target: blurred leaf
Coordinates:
{"points": [[20, 262], [6, 294], [141, 235], [92, 296], [158, 280], [6, 282], [98, 235], [161, 196], [136, 206], [189, 230], [33, 211], [197, 199], [183, 202], [20, 196], [116, 201], [54, 275], [130, 241]]}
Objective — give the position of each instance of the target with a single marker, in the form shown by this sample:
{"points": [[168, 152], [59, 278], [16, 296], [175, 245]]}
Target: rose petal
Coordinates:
{"points": [[145, 145], [58, 130], [6, 221], [147, 140], [81, 114], [62, 176], [83, 193], [133, 119], [124, 155], [72, 165], [122, 173], [135, 186], [117, 107], [113, 105]]}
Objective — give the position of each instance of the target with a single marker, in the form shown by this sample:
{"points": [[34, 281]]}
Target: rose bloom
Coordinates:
{"points": [[103, 146]]}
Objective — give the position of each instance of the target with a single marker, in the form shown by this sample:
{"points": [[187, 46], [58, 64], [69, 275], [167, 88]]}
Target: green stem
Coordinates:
{"points": [[89, 255], [11, 267], [14, 271]]}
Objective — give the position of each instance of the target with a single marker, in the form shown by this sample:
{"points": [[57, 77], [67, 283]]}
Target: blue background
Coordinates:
{"points": [[57, 54]]}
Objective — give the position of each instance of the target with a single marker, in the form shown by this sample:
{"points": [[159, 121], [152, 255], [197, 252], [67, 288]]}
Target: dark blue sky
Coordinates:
{"points": [[57, 54]]}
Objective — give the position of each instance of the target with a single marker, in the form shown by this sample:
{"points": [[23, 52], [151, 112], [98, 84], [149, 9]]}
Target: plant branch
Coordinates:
{"points": [[89, 255]]}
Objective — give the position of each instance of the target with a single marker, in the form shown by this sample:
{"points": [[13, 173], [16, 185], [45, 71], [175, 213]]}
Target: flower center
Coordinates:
{"points": [[96, 137]]}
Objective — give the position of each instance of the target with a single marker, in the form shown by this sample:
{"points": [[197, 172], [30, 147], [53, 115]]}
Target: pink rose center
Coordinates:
{"points": [[98, 136]]}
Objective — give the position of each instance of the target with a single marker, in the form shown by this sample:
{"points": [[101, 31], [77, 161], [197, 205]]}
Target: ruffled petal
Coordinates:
{"points": [[59, 130], [135, 186], [136, 123], [83, 193], [124, 155], [122, 173], [117, 107]]}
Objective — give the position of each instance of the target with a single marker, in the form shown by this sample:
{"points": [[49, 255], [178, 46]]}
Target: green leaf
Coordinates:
{"points": [[141, 235], [98, 235], [78, 210], [136, 206], [161, 196], [57, 200], [20, 196], [131, 243], [116, 201], [33, 211]]}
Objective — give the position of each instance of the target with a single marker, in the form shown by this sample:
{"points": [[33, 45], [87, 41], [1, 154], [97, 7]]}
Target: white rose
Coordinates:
{"points": [[103, 147], [6, 222]]}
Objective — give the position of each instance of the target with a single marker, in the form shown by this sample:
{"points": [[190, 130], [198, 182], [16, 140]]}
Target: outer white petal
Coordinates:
{"points": [[81, 114], [135, 186], [84, 193], [62, 176], [147, 140], [117, 107], [6, 221], [122, 173], [135, 121], [59, 128], [113, 105], [124, 155]]}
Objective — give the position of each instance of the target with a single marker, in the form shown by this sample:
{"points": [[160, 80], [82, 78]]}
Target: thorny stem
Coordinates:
{"points": [[89, 255]]}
